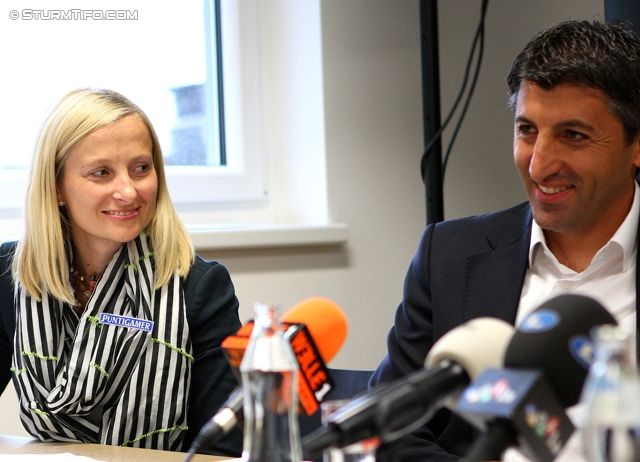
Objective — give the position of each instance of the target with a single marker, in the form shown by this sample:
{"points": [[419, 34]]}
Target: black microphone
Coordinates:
{"points": [[220, 424], [391, 410], [515, 408], [546, 364]]}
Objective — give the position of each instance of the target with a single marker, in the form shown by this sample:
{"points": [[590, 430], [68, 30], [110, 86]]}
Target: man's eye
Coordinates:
{"points": [[575, 136], [524, 129]]}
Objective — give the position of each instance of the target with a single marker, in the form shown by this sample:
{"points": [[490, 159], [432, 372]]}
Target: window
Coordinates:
{"points": [[164, 58], [273, 104]]}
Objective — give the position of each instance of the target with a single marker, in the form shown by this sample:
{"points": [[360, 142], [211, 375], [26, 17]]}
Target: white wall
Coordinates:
{"points": [[373, 113], [481, 176], [372, 89]]}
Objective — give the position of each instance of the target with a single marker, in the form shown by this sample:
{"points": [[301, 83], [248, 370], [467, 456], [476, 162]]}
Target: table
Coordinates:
{"points": [[26, 445]]}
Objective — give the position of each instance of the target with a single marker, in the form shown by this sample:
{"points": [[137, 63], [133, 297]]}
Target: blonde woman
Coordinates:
{"points": [[110, 325]]}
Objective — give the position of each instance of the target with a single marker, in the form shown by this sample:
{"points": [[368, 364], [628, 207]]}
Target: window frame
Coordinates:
{"points": [[242, 179], [282, 55]]}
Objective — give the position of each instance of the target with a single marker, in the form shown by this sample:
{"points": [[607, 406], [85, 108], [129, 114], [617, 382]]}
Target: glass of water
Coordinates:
{"points": [[612, 397], [362, 451]]}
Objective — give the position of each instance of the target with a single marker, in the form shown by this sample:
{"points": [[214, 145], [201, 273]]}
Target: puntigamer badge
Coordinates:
{"points": [[126, 321]]}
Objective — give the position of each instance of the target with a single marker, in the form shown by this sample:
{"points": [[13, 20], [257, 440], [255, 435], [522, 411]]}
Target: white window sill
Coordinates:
{"points": [[252, 236], [214, 236]]}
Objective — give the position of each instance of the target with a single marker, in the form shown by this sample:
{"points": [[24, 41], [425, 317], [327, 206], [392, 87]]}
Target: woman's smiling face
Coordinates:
{"points": [[109, 185]]}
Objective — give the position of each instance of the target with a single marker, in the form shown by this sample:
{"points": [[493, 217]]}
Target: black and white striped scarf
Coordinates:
{"points": [[101, 378]]}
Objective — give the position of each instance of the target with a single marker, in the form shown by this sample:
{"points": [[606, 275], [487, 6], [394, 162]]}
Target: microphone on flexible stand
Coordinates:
{"points": [[393, 409], [316, 328], [546, 364]]}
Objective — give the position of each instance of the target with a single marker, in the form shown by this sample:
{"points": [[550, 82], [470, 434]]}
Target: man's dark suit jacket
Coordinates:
{"points": [[463, 269]]}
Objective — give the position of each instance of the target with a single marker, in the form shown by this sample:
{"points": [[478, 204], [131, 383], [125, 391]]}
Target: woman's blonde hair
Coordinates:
{"points": [[40, 263]]}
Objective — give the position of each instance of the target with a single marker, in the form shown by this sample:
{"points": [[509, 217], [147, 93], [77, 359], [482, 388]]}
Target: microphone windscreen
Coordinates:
{"points": [[325, 321], [555, 338], [475, 345]]}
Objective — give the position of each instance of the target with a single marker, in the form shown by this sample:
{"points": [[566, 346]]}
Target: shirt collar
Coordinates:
{"points": [[625, 236]]}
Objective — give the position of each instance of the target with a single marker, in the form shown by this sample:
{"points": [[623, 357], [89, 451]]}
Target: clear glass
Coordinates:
{"points": [[611, 396], [363, 451], [269, 378]]}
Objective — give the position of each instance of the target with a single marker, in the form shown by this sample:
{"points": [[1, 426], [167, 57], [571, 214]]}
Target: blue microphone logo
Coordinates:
{"points": [[541, 320], [581, 349]]}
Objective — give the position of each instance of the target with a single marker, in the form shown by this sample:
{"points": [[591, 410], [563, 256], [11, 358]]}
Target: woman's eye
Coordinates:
{"points": [[142, 169], [102, 172]]}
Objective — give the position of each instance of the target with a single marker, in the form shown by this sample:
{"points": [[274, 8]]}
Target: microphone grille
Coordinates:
{"points": [[325, 321], [556, 339]]}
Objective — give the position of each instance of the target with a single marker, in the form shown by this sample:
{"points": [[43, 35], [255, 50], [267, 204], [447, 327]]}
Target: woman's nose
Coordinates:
{"points": [[124, 189]]}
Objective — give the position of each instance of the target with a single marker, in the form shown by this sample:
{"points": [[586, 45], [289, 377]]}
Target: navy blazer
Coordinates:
{"points": [[463, 269]]}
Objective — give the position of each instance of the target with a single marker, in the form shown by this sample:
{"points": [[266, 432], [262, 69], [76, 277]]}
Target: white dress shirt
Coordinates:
{"points": [[609, 279]]}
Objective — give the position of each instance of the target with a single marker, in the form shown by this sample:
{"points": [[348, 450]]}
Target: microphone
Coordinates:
{"points": [[546, 364], [313, 318], [391, 410]]}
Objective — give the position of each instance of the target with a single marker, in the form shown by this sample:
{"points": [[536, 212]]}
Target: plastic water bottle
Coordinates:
{"points": [[269, 378], [611, 395]]}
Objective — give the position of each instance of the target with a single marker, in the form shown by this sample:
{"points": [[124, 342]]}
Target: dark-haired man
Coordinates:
{"points": [[575, 93]]}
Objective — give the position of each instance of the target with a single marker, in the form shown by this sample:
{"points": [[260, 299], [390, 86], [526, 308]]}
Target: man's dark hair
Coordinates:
{"points": [[589, 53]]}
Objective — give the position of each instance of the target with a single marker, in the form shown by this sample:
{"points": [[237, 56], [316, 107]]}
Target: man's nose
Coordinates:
{"points": [[545, 159]]}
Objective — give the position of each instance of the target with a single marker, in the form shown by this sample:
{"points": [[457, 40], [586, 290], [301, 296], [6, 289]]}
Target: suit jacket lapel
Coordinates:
{"points": [[495, 278]]}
